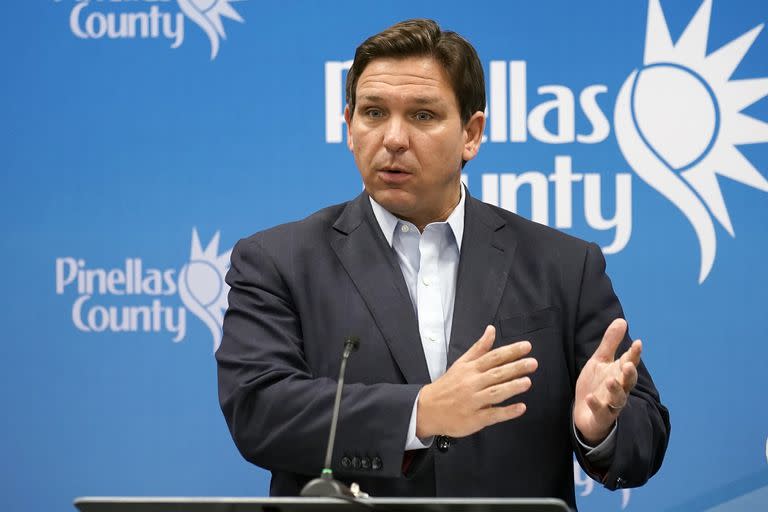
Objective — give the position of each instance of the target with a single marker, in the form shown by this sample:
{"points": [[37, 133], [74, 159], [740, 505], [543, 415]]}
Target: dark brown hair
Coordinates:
{"points": [[423, 37]]}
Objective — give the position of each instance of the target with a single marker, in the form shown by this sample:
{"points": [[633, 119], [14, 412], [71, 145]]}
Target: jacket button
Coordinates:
{"points": [[365, 463], [346, 462], [620, 482], [443, 443], [355, 462], [376, 463]]}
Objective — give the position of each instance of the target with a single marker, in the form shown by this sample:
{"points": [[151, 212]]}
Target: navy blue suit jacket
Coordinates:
{"points": [[299, 289]]}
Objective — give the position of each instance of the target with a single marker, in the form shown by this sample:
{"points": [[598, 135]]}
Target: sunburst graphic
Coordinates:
{"points": [[202, 288], [207, 14], [678, 121]]}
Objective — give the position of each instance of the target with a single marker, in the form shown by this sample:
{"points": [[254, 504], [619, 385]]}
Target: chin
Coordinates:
{"points": [[396, 201]]}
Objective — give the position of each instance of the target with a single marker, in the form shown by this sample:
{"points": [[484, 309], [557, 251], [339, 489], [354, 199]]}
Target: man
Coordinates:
{"points": [[492, 347]]}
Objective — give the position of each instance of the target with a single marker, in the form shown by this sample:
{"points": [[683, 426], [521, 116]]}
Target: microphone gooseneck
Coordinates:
{"points": [[326, 485]]}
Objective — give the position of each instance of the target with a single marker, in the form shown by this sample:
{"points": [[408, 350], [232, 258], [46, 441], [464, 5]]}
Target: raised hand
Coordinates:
{"points": [[603, 386], [463, 400]]}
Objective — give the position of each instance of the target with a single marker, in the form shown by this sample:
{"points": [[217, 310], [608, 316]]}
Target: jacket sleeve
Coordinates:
{"points": [[643, 426], [278, 412]]}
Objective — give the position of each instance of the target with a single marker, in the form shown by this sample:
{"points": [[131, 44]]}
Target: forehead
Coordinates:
{"points": [[409, 77]]}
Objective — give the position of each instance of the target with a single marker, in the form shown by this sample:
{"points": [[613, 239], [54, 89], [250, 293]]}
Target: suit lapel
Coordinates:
{"points": [[371, 264], [487, 251]]}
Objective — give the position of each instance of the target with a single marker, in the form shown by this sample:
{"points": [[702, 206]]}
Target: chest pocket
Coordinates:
{"points": [[551, 394], [524, 323]]}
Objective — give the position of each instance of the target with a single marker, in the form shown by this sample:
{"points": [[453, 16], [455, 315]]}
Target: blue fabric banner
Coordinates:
{"points": [[142, 138]]}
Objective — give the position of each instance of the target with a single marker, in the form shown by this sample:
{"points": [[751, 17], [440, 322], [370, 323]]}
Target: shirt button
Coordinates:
{"points": [[426, 281], [404, 228], [432, 337]]}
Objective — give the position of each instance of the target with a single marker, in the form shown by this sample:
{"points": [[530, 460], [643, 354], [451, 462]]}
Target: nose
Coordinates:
{"points": [[396, 135]]}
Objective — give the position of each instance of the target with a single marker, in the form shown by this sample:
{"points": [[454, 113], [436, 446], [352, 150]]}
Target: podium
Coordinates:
{"points": [[124, 504]]}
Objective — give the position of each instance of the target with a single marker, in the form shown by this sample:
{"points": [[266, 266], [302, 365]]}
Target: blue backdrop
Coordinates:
{"points": [[141, 138]]}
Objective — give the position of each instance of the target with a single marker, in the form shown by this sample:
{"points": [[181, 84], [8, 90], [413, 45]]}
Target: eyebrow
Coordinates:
{"points": [[420, 100]]}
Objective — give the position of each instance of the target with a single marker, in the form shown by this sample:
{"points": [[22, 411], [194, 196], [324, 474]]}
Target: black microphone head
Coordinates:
{"points": [[352, 342]]}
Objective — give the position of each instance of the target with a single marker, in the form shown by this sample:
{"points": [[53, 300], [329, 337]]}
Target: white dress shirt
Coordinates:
{"points": [[429, 261]]}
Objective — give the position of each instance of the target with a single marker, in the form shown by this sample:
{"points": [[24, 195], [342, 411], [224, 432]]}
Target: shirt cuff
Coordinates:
{"points": [[602, 454], [411, 441]]}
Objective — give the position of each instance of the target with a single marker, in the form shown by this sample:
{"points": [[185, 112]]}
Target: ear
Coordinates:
{"points": [[473, 135], [348, 119]]}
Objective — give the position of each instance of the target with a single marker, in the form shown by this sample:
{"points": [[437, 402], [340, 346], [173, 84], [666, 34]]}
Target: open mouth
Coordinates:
{"points": [[393, 171], [393, 176]]}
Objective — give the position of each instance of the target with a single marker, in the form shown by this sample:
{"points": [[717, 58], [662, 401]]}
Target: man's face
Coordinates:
{"points": [[408, 139]]}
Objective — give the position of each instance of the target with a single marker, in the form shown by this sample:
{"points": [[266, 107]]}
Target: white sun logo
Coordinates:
{"points": [[202, 288], [678, 120], [207, 14]]}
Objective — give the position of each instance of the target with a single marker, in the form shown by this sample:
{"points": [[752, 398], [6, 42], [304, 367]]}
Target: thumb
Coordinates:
{"points": [[481, 346], [611, 340]]}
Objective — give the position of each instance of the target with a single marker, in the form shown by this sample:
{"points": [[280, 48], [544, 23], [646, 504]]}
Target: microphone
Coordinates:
{"points": [[326, 486]]}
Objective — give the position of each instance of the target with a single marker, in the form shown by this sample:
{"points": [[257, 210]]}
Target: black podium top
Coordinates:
{"points": [[179, 504]]}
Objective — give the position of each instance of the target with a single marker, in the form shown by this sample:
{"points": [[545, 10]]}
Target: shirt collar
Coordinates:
{"points": [[388, 222]]}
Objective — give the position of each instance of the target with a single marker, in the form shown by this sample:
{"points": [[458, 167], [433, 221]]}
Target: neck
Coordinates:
{"points": [[442, 215]]}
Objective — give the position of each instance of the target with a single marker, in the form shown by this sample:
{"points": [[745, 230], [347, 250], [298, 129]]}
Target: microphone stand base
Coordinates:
{"points": [[326, 487]]}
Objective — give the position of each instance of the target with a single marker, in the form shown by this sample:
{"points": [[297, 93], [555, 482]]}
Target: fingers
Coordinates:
{"points": [[507, 372], [596, 406], [633, 354], [628, 377], [611, 340], [627, 366], [481, 346], [613, 397], [616, 394], [610, 385], [502, 355], [496, 394], [493, 415], [608, 407]]}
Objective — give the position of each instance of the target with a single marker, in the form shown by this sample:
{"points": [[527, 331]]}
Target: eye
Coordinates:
{"points": [[423, 115], [374, 113]]}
